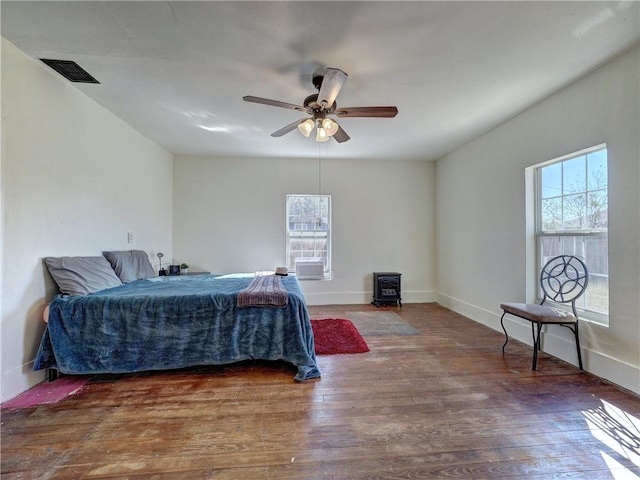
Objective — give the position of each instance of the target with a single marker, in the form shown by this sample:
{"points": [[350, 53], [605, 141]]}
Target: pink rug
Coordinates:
{"points": [[48, 392]]}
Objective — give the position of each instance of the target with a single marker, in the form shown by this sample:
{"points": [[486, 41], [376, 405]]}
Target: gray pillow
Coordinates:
{"points": [[130, 265], [81, 275]]}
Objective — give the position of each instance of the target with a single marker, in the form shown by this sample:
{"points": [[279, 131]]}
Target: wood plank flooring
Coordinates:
{"points": [[440, 403]]}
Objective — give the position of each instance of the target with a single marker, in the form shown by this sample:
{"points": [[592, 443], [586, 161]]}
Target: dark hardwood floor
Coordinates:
{"points": [[436, 402]]}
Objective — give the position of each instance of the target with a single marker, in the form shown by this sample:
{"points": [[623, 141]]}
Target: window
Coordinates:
{"points": [[571, 219], [309, 229]]}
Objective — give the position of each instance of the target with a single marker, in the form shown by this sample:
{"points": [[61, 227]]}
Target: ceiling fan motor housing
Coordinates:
{"points": [[317, 80], [313, 107]]}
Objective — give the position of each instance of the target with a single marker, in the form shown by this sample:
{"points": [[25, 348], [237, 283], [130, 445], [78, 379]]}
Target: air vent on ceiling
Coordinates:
{"points": [[70, 70]]}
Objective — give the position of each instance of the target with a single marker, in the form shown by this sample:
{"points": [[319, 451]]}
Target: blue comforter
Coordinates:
{"points": [[175, 322]]}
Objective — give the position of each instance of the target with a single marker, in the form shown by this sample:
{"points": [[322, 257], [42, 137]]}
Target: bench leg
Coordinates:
{"points": [[505, 332], [578, 348], [536, 328], [575, 332]]}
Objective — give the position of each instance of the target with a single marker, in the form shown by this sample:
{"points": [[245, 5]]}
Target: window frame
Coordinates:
{"points": [[540, 234], [288, 236]]}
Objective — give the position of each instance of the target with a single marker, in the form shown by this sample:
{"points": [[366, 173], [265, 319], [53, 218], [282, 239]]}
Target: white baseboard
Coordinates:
{"points": [[556, 341], [359, 298], [18, 380]]}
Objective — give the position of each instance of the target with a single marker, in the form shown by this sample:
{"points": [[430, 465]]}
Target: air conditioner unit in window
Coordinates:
{"points": [[309, 268]]}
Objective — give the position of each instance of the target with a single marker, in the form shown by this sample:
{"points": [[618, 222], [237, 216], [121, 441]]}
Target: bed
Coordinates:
{"points": [[162, 323]]}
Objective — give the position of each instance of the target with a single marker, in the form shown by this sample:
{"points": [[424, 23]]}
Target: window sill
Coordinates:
{"points": [[595, 318], [326, 277]]}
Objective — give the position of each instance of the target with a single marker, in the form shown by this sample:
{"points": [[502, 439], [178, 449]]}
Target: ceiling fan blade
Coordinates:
{"points": [[287, 129], [332, 82], [273, 103], [380, 112], [341, 136]]}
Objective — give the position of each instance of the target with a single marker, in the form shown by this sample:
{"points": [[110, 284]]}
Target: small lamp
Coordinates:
{"points": [[162, 272]]}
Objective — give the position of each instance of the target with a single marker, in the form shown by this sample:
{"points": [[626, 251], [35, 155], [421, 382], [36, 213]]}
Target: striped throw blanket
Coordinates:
{"points": [[264, 291]]}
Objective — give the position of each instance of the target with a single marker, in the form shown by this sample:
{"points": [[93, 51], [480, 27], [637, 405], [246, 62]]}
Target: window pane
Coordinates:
{"points": [[574, 208], [574, 175], [596, 258], [593, 251], [308, 212], [551, 180], [596, 248], [597, 168], [552, 246], [597, 209], [552, 214]]}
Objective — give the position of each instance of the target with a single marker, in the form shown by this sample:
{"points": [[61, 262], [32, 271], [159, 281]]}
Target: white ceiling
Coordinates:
{"points": [[177, 71]]}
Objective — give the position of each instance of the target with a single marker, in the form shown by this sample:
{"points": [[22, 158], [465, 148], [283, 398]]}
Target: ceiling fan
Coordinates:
{"points": [[321, 105]]}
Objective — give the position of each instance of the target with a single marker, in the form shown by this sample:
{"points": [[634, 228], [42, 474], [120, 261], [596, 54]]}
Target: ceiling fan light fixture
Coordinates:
{"points": [[330, 126], [321, 134], [306, 127]]}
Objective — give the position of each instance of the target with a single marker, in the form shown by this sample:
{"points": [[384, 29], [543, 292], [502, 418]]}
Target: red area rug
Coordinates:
{"points": [[336, 335], [48, 392]]}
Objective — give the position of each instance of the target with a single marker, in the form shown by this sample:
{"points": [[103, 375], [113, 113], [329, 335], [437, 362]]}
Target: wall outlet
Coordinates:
{"points": [[129, 237]]}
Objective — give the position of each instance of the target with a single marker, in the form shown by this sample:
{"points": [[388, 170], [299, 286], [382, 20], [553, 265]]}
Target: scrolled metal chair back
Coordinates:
{"points": [[564, 279]]}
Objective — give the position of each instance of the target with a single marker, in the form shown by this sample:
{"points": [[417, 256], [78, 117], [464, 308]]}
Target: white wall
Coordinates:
{"points": [[481, 230], [75, 180], [229, 216]]}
